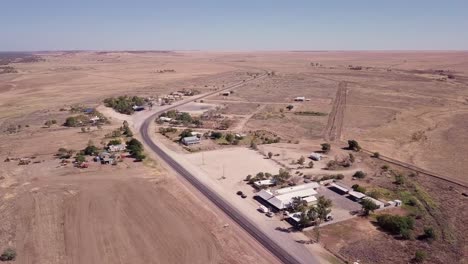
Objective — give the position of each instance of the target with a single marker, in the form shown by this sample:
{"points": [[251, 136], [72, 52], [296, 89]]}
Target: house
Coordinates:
{"points": [[190, 140], [356, 196], [315, 156], [300, 99], [282, 198], [377, 202], [115, 148]]}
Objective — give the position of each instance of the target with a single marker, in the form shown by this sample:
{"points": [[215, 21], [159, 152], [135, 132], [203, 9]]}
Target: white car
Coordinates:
{"points": [[263, 209]]}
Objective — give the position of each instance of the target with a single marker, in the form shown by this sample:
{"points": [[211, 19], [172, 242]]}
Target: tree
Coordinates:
{"points": [[376, 155], [301, 160], [8, 255], [353, 145], [419, 256], [282, 176], [116, 141], [323, 207], [352, 159], [139, 156], [298, 205], [290, 107], [311, 164], [91, 150], [216, 135], [368, 206], [185, 133], [326, 147], [134, 146], [270, 154], [395, 224]]}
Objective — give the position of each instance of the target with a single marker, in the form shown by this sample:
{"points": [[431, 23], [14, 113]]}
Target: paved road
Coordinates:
{"points": [[226, 207]]}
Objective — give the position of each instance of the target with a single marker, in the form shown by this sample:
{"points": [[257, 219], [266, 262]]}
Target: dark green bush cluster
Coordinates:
{"points": [[124, 104], [136, 149], [395, 224]]}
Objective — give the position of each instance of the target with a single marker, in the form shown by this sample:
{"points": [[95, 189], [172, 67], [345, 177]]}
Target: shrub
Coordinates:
{"points": [[326, 147], [301, 160], [419, 256], [359, 175], [186, 133], [270, 154], [376, 155], [8, 255], [114, 142], [395, 224], [124, 104], [311, 164], [216, 135], [229, 138], [385, 167], [429, 233], [358, 188], [399, 179]]}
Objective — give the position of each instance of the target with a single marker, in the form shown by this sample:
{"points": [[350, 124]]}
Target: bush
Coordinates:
{"points": [[185, 133], [114, 142], [353, 145], [124, 104], [376, 155], [429, 233], [419, 256], [8, 255], [395, 224], [339, 176], [229, 138], [359, 175], [311, 164], [216, 135], [301, 160], [399, 179], [368, 206], [358, 188], [270, 154], [90, 150]]}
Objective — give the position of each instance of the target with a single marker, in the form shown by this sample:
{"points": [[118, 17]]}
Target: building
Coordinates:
{"points": [[315, 156], [338, 188], [300, 99], [356, 196], [282, 198], [115, 148], [190, 140], [377, 202], [260, 184]]}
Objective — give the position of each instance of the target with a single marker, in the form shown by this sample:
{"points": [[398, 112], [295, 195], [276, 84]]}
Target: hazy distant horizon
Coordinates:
{"points": [[210, 25]]}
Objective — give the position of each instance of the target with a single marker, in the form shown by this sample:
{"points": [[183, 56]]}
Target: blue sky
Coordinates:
{"points": [[233, 25]]}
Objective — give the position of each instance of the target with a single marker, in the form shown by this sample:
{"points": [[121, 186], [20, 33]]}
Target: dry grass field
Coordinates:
{"points": [[400, 104]]}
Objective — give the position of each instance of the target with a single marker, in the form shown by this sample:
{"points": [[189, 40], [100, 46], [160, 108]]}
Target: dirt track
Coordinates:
{"points": [[335, 120]]}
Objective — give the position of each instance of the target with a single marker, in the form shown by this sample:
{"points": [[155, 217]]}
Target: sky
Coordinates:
{"points": [[233, 25]]}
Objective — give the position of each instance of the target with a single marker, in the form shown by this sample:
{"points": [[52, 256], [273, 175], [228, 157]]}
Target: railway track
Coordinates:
{"points": [[334, 125], [417, 169], [275, 248]]}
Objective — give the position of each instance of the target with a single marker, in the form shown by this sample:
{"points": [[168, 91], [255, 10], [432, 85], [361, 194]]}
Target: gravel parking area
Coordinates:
{"points": [[342, 206]]}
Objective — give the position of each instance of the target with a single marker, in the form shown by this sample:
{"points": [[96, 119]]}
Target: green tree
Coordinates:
{"points": [[399, 179], [368, 206], [326, 147], [358, 188], [91, 150], [80, 158], [185, 133], [114, 142]]}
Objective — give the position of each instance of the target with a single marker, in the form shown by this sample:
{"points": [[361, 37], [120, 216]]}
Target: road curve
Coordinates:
{"points": [[226, 207]]}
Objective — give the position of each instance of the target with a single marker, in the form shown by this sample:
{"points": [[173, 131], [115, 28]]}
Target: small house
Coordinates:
{"points": [[138, 108], [165, 119], [116, 148], [263, 183], [338, 188], [190, 140]]}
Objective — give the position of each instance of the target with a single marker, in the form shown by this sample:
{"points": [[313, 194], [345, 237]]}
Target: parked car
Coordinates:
{"points": [[263, 209], [270, 214]]}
